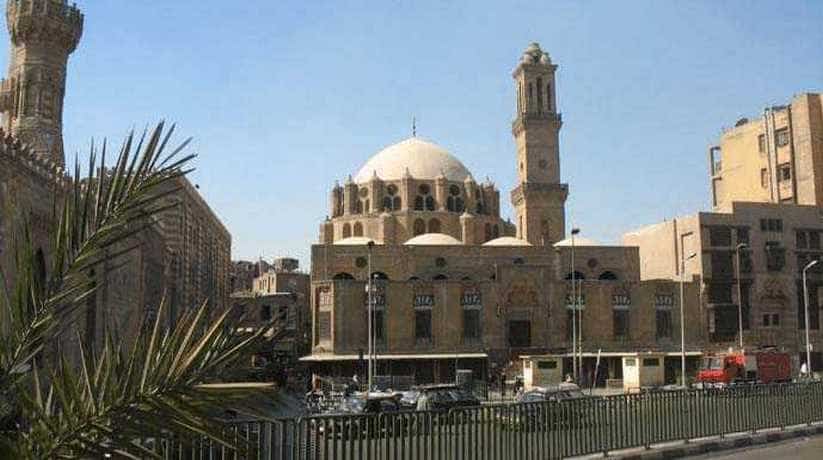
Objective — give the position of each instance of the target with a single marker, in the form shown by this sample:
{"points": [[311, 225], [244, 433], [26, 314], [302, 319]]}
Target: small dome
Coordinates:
{"points": [[433, 239], [417, 158], [579, 241], [507, 241], [354, 241]]}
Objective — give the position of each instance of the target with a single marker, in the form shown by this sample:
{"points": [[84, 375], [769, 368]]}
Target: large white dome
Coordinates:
{"points": [[423, 160]]}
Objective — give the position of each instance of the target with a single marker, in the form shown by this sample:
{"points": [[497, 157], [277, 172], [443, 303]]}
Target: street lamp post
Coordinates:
{"points": [[682, 311], [740, 296], [575, 363], [806, 308], [370, 245]]}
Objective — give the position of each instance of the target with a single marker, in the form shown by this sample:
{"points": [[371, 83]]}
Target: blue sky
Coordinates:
{"points": [[285, 97]]}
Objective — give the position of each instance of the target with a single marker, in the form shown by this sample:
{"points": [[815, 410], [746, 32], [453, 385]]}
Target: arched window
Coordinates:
{"points": [[607, 275], [418, 203], [387, 203], [419, 227], [577, 275], [539, 94], [342, 276], [429, 203], [458, 205], [367, 207], [434, 226], [495, 232], [479, 209], [392, 201], [379, 276], [488, 232], [450, 203], [440, 277], [396, 202], [530, 98], [346, 230], [358, 207], [414, 278], [549, 97], [358, 229]]}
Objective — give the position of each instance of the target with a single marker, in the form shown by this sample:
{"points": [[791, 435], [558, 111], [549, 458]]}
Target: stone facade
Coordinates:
{"points": [[779, 241], [465, 291], [776, 158], [184, 254], [281, 293]]}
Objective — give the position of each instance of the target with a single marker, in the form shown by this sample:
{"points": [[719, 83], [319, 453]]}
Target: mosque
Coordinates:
{"points": [[459, 287]]}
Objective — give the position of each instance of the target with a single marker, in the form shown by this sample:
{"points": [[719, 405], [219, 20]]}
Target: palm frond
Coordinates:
{"points": [[111, 403]]}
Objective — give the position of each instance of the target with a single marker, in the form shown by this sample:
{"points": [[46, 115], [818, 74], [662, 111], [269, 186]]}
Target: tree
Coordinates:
{"points": [[165, 384]]}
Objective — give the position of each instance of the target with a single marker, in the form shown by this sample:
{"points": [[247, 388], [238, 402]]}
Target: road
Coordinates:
{"points": [[796, 449]]}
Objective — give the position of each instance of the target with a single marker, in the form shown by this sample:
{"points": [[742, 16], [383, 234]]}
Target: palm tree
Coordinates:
{"points": [[166, 384]]}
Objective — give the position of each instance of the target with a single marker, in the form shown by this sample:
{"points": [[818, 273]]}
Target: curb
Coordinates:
{"points": [[730, 442]]}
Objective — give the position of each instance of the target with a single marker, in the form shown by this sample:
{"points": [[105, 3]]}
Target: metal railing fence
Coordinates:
{"points": [[521, 431]]}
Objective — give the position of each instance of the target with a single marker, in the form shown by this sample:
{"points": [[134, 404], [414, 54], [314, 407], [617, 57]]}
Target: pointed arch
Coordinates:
{"points": [[434, 226], [358, 229], [346, 230], [419, 227]]}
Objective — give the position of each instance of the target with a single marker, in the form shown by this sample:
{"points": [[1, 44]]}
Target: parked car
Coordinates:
{"points": [[443, 397], [545, 408], [342, 425]]}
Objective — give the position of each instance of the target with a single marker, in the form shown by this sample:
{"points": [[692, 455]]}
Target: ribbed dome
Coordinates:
{"points": [[423, 160], [433, 239]]}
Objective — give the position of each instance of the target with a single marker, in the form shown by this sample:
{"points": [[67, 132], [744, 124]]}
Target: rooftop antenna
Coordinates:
{"points": [[414, 126]]}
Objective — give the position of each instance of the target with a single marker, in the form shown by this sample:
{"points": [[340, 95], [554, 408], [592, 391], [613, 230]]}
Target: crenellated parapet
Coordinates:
{"points": [[52, 22], [13, 152]]}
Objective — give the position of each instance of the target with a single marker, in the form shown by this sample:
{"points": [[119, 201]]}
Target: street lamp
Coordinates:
{"points": [[806, 307], [740, 296], [575, 363], [370, 245], [682, 313]]}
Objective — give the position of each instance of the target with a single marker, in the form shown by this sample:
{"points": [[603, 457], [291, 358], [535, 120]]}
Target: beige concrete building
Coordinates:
{"points": [[779, 241], [184, 254], [776, 158], [281, 293], [457, 286]]}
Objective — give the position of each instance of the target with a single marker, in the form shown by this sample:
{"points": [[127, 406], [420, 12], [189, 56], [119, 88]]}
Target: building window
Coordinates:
{"points": [[539, 94], [471, 324], [265, 313], [761, 143], [377, 321], [784, 172], [716, 159], [771, 225], [764, 178], [720, 236], [801, 241], [663, 320], [419, 227], [814, 240], [434, 226], [742, 235], [520, 333], [620, 318], [488, 232], [324, 325], [455, 202], [346, 230], [549, 97], [722, 265], [775, 256], [814, 305], [771, 320], [423, 325], [358, 229], [781, 137], [720, 293]]}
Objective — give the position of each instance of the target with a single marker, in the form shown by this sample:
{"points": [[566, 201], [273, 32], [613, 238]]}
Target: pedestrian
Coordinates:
{"points": [[804, 371]]}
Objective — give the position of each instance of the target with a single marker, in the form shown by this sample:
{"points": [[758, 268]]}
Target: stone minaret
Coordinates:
{"points": [[43, 34], [539, 197]]}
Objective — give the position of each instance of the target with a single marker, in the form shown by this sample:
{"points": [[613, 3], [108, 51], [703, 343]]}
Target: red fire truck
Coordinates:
{"points": [[767, 366]]}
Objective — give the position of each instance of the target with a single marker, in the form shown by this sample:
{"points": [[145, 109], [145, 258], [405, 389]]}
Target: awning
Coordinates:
{"points": [[335, 357], [613, 354]]}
